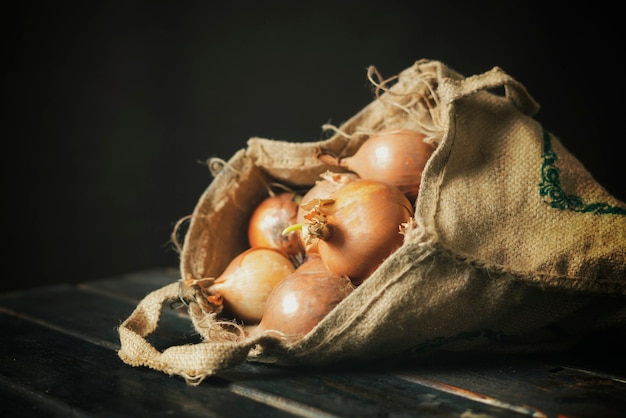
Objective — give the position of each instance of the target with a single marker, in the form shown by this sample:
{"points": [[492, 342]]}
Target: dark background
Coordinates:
{"points": [[110, 108]]}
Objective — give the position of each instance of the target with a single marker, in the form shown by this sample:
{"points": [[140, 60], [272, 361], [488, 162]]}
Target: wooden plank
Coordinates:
{"points": [[50, 368], [134, 286], [56, 309], [498, 385], [20, 401], [71, 375], [529, 385], [91, 316], [357, 392]]}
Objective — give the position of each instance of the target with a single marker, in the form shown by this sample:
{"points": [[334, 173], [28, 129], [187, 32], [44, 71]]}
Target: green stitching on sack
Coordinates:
{"points": [[550, 186]]}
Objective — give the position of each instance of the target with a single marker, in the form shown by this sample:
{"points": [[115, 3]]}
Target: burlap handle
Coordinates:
{"points": [[193, 362]]}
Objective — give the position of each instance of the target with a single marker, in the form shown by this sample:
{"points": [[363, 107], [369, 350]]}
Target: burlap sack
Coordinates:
{"points": [[515, 245]]}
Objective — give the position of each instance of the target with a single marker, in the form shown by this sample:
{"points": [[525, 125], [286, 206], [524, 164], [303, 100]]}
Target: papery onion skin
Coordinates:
{"points": [[323, 188], [397, 157], [270, 218], [361, 227], [248, 280], [299, 302]]}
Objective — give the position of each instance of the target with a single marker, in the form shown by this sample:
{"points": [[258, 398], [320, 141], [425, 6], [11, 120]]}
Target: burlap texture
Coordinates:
{"points": [[515, 245]]}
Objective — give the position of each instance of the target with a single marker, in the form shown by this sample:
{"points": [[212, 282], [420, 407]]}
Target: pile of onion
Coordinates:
{"points": [[310, 251]]}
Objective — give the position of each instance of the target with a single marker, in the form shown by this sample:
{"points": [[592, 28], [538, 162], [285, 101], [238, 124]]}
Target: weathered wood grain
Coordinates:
{"points": [[59, 359]]}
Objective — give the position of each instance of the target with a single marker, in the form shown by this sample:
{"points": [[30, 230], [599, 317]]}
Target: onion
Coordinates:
{"points": [[396, 157], [302, 300], [244, 286], [270, 218], [357, 227], [321, 189]]}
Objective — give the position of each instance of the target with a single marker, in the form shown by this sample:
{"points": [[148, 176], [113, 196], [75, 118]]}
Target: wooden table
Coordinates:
{"points": [[58, 358]]}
